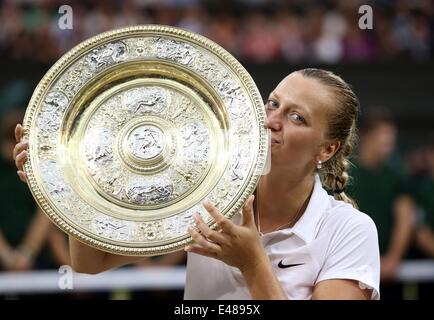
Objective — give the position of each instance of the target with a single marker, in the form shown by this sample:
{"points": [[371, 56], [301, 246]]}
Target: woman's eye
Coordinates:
{"points": [[297, 118], [271, 104]]}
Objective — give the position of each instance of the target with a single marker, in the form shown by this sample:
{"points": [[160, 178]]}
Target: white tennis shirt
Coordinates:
{"points": [[332, 240]]}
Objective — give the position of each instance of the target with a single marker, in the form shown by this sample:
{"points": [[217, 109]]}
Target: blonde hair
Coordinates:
{"points": [[341, 127]]}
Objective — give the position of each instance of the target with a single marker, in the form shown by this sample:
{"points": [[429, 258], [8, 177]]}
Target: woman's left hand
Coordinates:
{"points": [[236, 245]]}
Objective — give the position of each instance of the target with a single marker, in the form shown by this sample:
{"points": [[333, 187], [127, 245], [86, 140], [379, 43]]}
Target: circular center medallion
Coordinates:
{"points": [[146, 142]]}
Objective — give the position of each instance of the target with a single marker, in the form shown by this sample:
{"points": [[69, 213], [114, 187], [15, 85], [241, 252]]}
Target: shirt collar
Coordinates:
{"points": [[306, 226]]}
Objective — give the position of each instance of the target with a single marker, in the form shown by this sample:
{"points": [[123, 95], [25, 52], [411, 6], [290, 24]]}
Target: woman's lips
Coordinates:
{"points": [[274, 141]]}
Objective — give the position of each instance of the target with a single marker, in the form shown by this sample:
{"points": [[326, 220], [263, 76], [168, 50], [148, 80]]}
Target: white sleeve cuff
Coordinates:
{"points": [[362, 275]]}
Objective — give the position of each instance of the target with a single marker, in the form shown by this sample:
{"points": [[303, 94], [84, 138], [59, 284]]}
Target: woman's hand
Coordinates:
{"points": [[236, 245], [20, 152]]}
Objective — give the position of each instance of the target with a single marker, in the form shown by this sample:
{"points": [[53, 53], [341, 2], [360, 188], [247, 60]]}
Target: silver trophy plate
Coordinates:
{"points": [[131, 130]]}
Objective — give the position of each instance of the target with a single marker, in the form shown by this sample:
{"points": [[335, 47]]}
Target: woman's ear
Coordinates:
{"points": [[328, 150]]}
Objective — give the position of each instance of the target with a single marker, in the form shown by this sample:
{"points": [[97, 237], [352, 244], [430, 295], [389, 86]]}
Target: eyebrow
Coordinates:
{"points": [[297, 106]]}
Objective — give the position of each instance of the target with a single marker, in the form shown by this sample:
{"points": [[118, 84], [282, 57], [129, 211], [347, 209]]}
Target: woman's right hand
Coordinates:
{"points": [[20, 153]]}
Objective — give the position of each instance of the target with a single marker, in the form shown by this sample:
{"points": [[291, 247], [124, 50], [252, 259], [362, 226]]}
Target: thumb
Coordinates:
{"points": [[248, 218]]}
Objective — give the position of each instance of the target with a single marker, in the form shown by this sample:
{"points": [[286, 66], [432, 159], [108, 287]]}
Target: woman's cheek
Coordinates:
{"points": [[301, 143], [299, 138]]}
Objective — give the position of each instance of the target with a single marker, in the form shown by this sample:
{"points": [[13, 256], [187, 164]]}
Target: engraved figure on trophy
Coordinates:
{"points": [[232, 93], [239, 165], [111, 228], [54, 184], [177, 51], [98, 146], [146, 100], [195, 145], [55, 104], [106, 55], [149, 192], [146, 142]]}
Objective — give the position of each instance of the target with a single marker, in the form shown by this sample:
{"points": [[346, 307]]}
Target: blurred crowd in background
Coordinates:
{"points": [[255, 30], [396, 190]]}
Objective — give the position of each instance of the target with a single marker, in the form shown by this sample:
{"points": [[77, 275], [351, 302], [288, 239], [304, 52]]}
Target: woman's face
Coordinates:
{"points": [[297, 117]]}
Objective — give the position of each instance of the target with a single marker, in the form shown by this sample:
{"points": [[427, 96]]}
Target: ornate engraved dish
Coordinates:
{"points": [[131, 130]]}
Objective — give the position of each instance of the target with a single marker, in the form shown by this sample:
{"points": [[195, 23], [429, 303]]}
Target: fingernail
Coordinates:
{"points": [[187, 248]]}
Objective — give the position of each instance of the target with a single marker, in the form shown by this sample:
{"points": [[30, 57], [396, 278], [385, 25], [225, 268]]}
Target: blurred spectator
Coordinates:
{"points": [[259, 43], [224, 32], [262, 30], [411, 31], [290, 34], [329, 45], [425, 198], [358, 46], [381, 191], [193, 19]]}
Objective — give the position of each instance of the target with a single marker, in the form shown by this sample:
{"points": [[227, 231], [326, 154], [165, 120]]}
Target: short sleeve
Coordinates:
{"points": [[353, 253]]}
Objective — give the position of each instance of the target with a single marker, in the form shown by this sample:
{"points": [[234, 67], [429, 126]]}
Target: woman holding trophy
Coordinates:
{"points": [[292, 239]]}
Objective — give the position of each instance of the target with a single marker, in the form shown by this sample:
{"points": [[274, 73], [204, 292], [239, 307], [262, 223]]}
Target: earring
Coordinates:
{"points": [[319, 164]]}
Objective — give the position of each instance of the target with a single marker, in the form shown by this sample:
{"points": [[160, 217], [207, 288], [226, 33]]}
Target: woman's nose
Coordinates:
{"points": [[273, 121]]}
